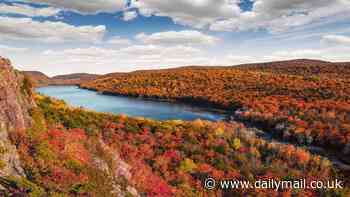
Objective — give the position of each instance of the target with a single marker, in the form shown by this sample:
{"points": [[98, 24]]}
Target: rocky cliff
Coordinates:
{"points": [[15, 102], [32, 160]]}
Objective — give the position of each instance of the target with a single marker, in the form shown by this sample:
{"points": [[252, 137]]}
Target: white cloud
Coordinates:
{"points": [[226, 15], [91, 52], [277, 7], [125, 59], [26, 10], [239, 59], [135, 57], [105, 60], [133, 52], [336, 39], [85, 6], [279, 16], [7, 49], [300, 53], [328, 54], [179, 51], [219, 15], [197, 13], [48, 31], [116, 40], [129, 15], [178, 37]]}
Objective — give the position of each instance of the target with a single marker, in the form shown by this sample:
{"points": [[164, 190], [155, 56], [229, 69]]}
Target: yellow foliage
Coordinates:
{"points": [[236, 144], [219, 131], [188, 165]]}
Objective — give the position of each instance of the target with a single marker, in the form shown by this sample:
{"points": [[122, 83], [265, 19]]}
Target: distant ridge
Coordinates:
{"points": [[301, 67], [40, 79], [295, 67], [74, 76]]}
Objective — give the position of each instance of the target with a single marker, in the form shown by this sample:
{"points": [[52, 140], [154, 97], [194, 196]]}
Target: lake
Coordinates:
{"points": [[92, 100], [88, 99]]}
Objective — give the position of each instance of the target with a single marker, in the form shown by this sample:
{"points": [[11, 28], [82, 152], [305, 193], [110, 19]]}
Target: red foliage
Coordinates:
{"points": [[69, 143], [173, 155]]}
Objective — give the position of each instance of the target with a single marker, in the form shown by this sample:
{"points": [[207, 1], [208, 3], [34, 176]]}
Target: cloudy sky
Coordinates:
{"points": [[101, 36]]}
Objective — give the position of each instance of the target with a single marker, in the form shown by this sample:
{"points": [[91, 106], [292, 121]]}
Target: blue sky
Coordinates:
{"points": [[101, 36]]}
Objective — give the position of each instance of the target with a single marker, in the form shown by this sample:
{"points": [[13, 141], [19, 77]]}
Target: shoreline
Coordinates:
{"points": [[210, 107], [262, 130]]}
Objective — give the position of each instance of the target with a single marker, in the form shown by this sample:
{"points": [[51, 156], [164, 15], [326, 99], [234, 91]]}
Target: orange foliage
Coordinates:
{"points": [[311, 98]]}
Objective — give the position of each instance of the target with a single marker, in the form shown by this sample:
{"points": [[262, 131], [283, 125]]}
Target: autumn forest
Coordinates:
{"points": [[69, 151], [174, 98]]}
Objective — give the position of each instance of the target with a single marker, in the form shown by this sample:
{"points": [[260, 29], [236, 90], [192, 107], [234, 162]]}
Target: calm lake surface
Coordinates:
{"points": [[77, 97]]}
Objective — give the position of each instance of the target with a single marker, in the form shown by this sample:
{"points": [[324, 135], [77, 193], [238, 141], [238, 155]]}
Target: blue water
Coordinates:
{"points": [[77, 97]]}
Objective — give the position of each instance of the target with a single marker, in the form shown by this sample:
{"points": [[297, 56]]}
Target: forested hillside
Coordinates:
{"points": [[74, 152], [67, 151], [304, 101]]}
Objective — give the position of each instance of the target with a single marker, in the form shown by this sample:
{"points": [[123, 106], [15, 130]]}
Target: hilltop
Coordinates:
{"points": [[296, 66], [72, 79], [305, 67], [40, 79]]}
